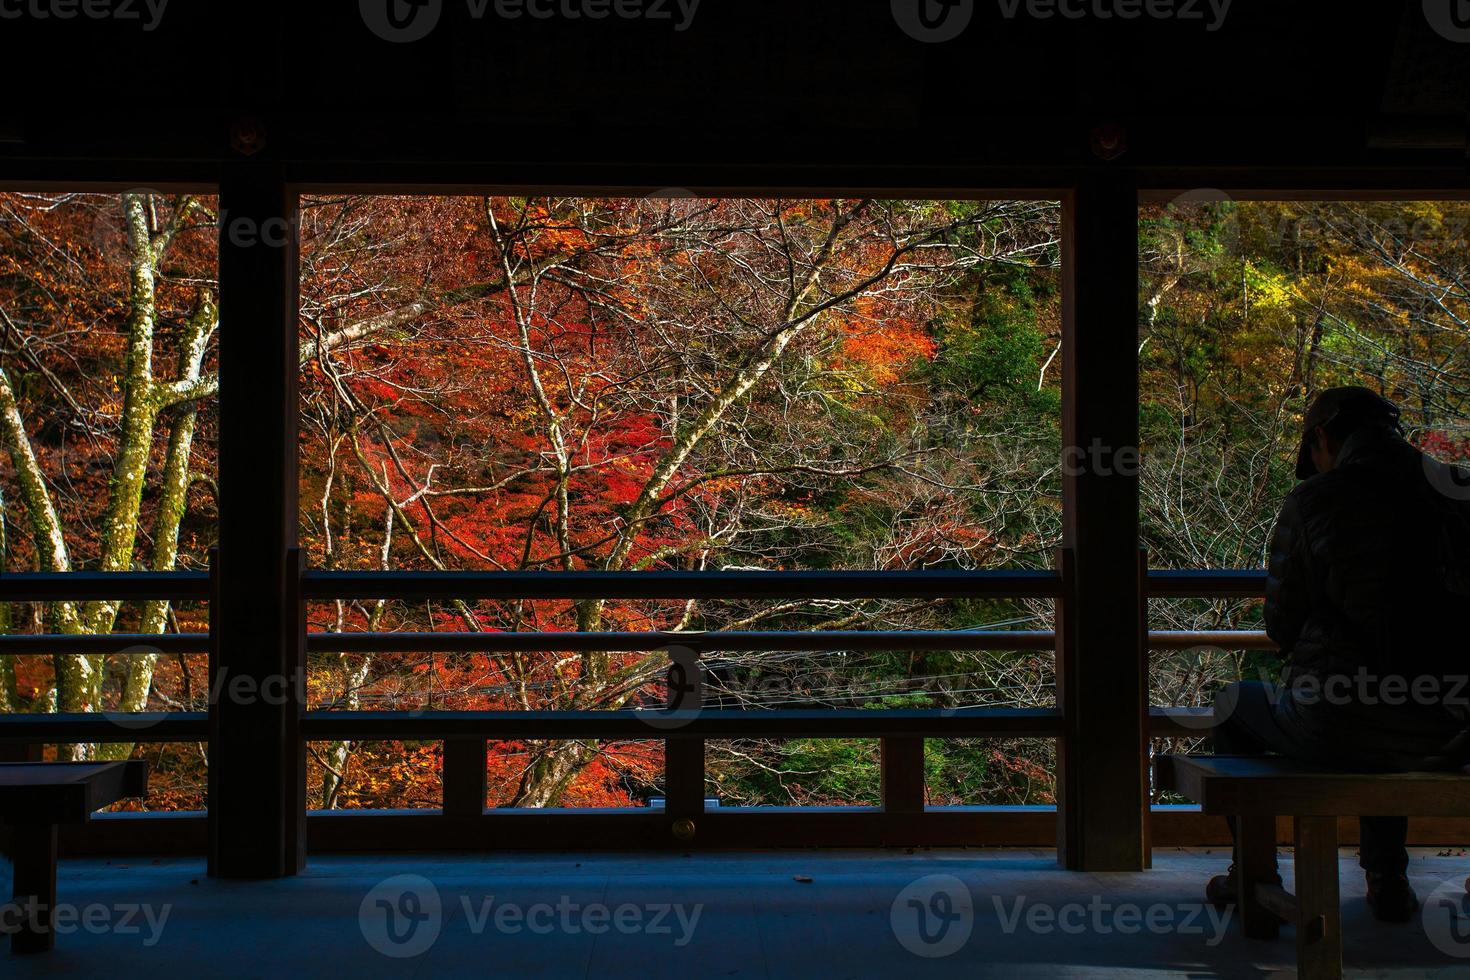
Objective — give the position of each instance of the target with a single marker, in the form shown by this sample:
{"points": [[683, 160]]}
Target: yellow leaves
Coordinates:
{"points": [[1269, 291]]}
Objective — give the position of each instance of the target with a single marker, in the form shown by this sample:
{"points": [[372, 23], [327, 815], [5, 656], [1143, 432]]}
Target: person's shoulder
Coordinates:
{"points": [[1321, 491]]}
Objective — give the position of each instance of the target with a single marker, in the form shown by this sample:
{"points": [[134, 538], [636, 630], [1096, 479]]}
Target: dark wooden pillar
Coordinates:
{"points": [[1103, 778], [256, 812]]}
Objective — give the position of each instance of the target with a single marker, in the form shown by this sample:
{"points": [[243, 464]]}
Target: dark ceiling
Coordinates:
{"points": [[808, 91]]}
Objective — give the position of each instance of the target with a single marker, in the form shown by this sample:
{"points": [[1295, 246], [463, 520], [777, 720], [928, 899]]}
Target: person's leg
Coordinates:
{"points": [[1243, 726], [1235, 732], [1384, 857], [1382, 845], [1245, 721]]}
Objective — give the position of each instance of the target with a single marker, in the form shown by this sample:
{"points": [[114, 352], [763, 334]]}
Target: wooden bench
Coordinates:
{"points": [[35, 797], [1258, 789]]}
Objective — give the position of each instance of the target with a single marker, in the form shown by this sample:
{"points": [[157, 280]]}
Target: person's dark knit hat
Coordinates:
{"points": [[1345, 410]]}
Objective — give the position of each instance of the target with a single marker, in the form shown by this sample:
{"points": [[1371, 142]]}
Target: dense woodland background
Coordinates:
{"points": [[676, 383]]}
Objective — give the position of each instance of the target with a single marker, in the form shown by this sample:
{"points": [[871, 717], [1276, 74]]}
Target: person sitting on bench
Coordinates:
{"points": [[1369, 577]]}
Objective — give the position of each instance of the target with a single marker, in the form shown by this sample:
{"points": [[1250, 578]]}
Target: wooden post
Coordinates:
{"points": [[1145, 745], [295, 746], [20, 752], [34, 860], [1069, 746], [684, 773], [1100, 504], [465, 783], [903, 775], [1255, 864], [1319, 928], [255, 805]]}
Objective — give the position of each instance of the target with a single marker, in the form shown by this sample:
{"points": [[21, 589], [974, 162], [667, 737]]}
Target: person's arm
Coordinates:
{"points": [[1287, 598]]}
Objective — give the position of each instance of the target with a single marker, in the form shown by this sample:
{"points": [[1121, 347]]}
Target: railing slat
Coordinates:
{"points": [[90, 586], [156, 726], [773, 641], [114, 644], [138, 644], [420, 586], [652, 725]]}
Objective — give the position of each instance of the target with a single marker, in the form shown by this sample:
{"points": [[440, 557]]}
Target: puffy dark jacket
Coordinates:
{"points": [[1364, 565]]}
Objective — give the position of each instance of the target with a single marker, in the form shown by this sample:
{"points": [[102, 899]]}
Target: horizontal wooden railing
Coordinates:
{"points": [[465, 734], [130, 644]]}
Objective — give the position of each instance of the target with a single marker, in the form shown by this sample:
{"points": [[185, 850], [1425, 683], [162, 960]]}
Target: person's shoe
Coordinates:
{"points": [[1391, 897], [1223, 891]]}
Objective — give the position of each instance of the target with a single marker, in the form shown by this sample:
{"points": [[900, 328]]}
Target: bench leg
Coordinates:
{"points": [[1255, 863], [1319, 931], [28, 917]]}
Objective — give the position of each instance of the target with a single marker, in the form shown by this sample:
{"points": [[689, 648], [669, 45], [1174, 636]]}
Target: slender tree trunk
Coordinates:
{"points": [[9, 695], [551, 771]]}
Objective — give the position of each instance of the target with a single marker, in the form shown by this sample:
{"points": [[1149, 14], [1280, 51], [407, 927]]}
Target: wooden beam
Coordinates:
{"points": [[254, 787], [1100, 506]]}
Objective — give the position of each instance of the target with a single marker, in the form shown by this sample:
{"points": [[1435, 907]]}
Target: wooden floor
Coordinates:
{"points": [[828, 914]]}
